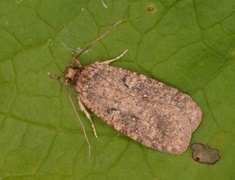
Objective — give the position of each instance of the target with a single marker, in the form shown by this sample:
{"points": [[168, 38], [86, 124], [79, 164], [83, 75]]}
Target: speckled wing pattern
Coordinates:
{"points": [[146, 110]]}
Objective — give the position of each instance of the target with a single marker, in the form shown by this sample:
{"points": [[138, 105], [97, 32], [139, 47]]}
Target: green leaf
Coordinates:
{"points": [[189, 45]]}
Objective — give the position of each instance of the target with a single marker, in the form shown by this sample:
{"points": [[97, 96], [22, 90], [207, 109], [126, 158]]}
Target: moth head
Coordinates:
{"points": [[70, 75]]}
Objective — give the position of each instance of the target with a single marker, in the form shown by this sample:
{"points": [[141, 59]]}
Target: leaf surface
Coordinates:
{"points": [[189, 45]]}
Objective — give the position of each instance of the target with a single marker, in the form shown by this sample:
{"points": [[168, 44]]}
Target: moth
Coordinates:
{"points": [[144, 109]]}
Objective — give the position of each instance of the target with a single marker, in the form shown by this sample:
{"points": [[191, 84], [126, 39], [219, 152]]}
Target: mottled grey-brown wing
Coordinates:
{"points": [[127, 101]]}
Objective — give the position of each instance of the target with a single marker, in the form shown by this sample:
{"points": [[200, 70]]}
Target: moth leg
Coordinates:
{"points": [[83, 109], [80, 121], [114, 59]]}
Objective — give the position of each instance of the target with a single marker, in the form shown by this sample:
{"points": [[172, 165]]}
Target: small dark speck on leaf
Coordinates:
{"points": [[150, 8], [204, 154]]}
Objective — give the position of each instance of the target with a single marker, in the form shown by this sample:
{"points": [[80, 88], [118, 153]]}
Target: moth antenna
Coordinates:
{"points": [[103, 35], [80, 121]]}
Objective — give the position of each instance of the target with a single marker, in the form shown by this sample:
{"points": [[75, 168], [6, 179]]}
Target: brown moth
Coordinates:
{"points": [[146, 110]]}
